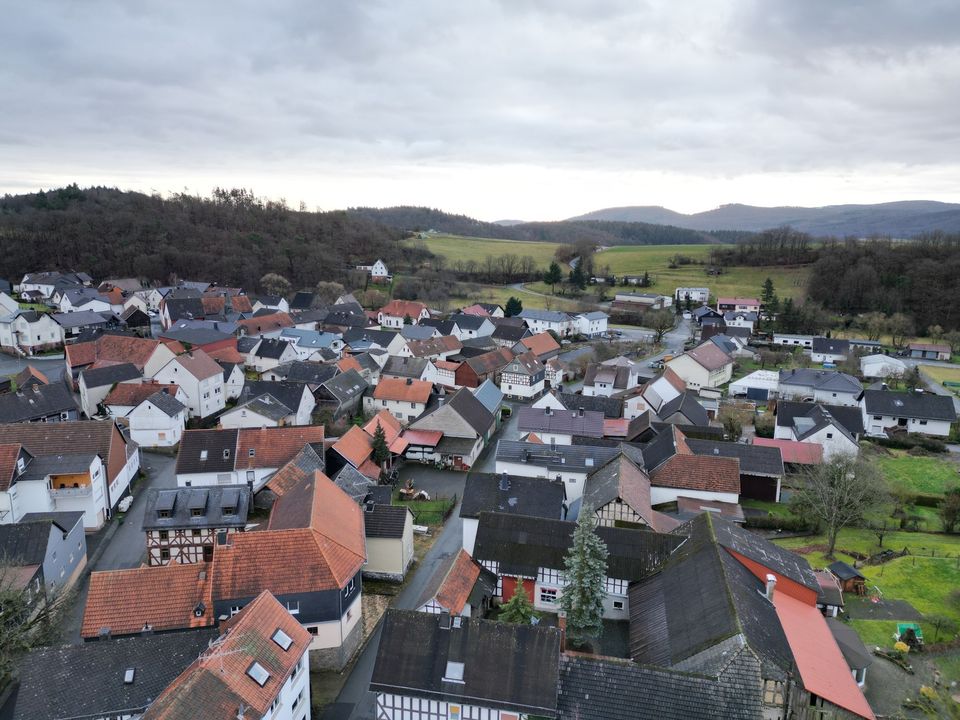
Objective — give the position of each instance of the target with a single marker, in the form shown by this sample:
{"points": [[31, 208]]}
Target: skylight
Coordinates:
{"points": [[282, 639], [258, 673], [454, 672]]}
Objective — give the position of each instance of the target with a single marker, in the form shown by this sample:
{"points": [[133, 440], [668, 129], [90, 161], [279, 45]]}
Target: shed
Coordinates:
{"points": [[759, 385], [850, 578]]}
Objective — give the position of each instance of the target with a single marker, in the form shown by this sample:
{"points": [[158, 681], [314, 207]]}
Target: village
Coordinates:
{"points": [[239, 504]]}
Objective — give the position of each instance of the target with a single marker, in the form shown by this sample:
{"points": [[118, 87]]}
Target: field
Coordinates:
{"points": [[941, 374], [454, 248], [932, 475], [500, 294]]}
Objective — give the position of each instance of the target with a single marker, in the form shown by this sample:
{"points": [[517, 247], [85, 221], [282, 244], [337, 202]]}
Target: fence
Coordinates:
{"points": [[430, 512]]}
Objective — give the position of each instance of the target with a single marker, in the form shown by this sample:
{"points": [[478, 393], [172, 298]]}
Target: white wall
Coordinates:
{"points": [[660, 495], [573, 481], [150, 427]]}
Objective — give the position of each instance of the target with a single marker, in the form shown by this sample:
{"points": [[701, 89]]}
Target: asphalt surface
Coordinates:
{"points": [[52, 368]]}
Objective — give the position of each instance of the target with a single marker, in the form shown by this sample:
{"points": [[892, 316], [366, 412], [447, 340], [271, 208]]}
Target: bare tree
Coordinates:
{"points": [[660, 321], [275, 284]]}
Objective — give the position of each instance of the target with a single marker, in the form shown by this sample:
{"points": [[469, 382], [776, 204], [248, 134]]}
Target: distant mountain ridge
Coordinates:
{"points": [[897, 219]]}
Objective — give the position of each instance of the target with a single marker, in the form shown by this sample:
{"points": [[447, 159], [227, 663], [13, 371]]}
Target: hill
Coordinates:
{"points": [[231, 238], [895, 219], [422, 219]]}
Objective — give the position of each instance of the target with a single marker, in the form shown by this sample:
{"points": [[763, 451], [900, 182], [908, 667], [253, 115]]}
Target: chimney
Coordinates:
{"points": [[553, 443], [771, 586], [548, 411], [580, 412], [409, 381]]}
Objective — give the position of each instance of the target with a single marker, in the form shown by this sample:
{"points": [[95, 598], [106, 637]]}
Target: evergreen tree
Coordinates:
{"points": [[646, 279], [577, 278], [769, 302], [518, 609], [514, 307], [553, 275], [585, 568], [381, 453]]}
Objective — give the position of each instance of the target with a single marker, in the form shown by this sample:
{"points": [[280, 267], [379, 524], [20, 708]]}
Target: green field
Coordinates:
{"points": [[455, 248], [932, 475], [863, 541], [941, 374], [500, 294]]}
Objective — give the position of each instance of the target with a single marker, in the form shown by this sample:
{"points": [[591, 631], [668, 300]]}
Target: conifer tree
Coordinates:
{"points": [[585, 569], [518, 609], [381, 453]]}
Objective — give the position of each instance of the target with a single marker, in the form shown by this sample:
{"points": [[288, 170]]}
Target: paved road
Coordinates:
{"points": [[52, 368]]}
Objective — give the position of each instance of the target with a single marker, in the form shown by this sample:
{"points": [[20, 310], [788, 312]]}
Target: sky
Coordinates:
{"points": [[525, 109]]}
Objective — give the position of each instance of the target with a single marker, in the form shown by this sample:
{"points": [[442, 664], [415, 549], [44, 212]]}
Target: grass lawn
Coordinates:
{"points": [[781, 510], [940, 374], [39, 307], [923, 582], [864, 541], [456, 248], [932, 475], [949, 665], [500, 294]]}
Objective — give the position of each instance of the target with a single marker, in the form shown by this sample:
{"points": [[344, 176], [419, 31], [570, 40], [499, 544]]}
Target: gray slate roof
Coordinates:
{"points": [[611, 407], [110, 374], [165, 403], [589, 424], [346, 386], [570, 458], [686, 405], [489, 396], [36, 402], [830, 346], [210, 499], [384, 521], [25, 543], [405, 367], [814, 417], [831, 380], [536, 497], [754, 459], [353, 483], [307, 372], [81, 318], [271, 348], [921, 405], [287, 393]]}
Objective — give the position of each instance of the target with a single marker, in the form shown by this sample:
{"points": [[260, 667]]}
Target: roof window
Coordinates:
{"points": [[258, 673], [282, 639], [454, 672]]}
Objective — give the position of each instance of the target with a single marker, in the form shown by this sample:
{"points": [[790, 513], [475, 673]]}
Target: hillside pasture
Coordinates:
{"points": [[456, 248]]}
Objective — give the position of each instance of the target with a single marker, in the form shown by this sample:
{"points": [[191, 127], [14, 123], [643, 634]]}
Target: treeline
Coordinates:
{"points": [[422, 219], [920, 278], [231, 237], [777, 246]]}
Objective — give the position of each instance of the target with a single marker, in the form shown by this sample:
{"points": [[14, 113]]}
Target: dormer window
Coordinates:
{"points": [[253, 452], [196, 512], [229, 510], [20, 465], [203, 454], [163, 514], [226, 453]]}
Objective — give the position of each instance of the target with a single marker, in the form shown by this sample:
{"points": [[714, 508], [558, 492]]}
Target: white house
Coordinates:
{"points": [[271, 404], [201, 379], [158, 421], [591, 324], [28, 331], [233, 380], [705, 366], [405, 398], [270, 352], [836, 428], [523, 377], [829, 350], [658, 392], [378, 272], [694, 294], [826, 386], [788, 340], [882, 366], [740, 319], [96, 383], [913, 412], [546, 320], [396, 313]]}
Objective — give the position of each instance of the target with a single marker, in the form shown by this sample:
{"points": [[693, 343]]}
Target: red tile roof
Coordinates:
{"points": [[127, 600], [792, 451], [427, 438], [355, 446], [403, 390], [241, 303], [391, 426], [541, 344], [9, 453], [117, 348], [349, 363], [274, 447], [737, 301], [710, 356], [478, 310], [266, 323], [821, 665], [199, 364], [216, 685], [455, 589], [707, 473], [133, 394], [213, 305], [227, 355], [295, 471], [402, 308], [932, 347], [675, 380]]}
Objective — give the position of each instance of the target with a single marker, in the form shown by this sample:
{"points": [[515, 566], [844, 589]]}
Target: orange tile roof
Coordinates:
{"points": [[821, 665], [133, 394], [455, 589], [368, 468], [216, 685], [227, 355], [9, 452], [213, 305], [349, 363], [29, 372], [241, 303], [446, 365], [793, 451], [391, 426], [175, 346], [434, 346], [266, 323], [401, 308], [355, 446], [428, 438], [117, 348], [199, 364], [274, 447], [675, 380], [114, 296], [295, 471], [699, 472], [403, 390], [541, 343], [533, 438], [127, 600], [478, 310]]}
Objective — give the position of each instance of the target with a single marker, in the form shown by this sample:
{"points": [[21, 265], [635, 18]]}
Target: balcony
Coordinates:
{"points": [[70, 492]]}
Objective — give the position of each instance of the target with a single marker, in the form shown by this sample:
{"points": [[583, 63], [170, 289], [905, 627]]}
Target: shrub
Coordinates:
{"points": [[777, 523], [907, 441]]}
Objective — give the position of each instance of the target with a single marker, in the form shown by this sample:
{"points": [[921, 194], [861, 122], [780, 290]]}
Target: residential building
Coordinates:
{"points": [[705, 366], [619, 496], [546, 320], [49, 549], [73, 323], [473, 371], [676, 471], [357, 340], [606, 378], [409, 367], [440, 347], [233, 379], [838, 428], [25, 332], [735, 304], [930, 351], [789, 340], [266, 326], [38, 404], [684, 409], [149, 356], [453, 433], [341, 394], [388, 530], [696, 295], [760, 386], [559, 427], [570, 464], [761, 468], [459, 586], [270, 352], [740, 319], [829, 350], [705, 314], [405, 398], [473, 326], [822, 386], [271, 302], [542, 345], [157, 421], [591, 324], [397, 313], [642, 301], [912, 412], [96, 382], [271, 404], [523, 377], [126, 396], [611, 407], [200, 378], [378, 272]]}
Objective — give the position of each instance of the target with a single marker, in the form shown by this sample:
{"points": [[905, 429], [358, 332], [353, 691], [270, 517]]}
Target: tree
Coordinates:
{"points": [[518, 609], [577, 278], [935, 331], [328, 292], [381, 453], [660, 321], [911, 379], [880, 530], [952, 338], [769, 299], [940, 623], [275, 284], [27, 620], [900, 327], [949, 510], [732, 425], [514, 307], [553, 275], [585, 569], [875, 323], [840, 492], [407, 320]]}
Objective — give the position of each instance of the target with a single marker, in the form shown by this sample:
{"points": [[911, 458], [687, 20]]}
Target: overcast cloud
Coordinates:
{"points": [[538, 109]]}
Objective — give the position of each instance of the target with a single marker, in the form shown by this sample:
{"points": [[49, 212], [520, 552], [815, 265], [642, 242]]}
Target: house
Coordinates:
{"points": [[510, 494], [591, 324], [824, 386], [692, 294], [50, 547], [51, 687], [509, 335], [735, 304], [78, 466], [542, 345], [641, 301], [200, 378], [473, 371], [882, 366], [705, 366], [611, 407], [523, 377], [555, 373], [789, 340], [531, 551], [243, 456], [358, 340], [29, 377], [341, 394], [355, 448], [86, 300], [465, 426], [157, 421], [182, 524], [271, 352], [473, 326], [727, 589], [913, 412], [126, 396], [311, 345], [609, 378], [258, 665], [271, 404], [47, 282], [459, 586], [271, 302], [405, 398], [838, 428], [484, 310], [149, 356], [829, 350], [409, 367], [653, 394], [441, 347], [233, 379], [73, 323], [851, 580], [419, 332], [570, 464], [548, 320], [761, 468], [397, 313], [760, 386], [559, 427], [929, 351], [676, 471], [96, 382], [438, 666], [684, 409], [311, 374], [619, 495], [704, 314], [740, 319], [378, 272], [265, 326], [38, 404], [26, 332], [388, 530]]}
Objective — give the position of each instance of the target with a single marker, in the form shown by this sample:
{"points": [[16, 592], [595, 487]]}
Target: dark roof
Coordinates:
{"points": [[66, 520], [179, 504], [166, 403], [511, 333], [830, 346], [760, 550], [472, 410], [445, 327], [754, 459], [571, 458], [469, 322], [110, 375], [369, 335], [686, 405], [195, 336], [660, 449], [505, 666], [36, 402], [246, 343], [87, 680], [850, 644], [923, 405], [271, 348], [357, 485], [845, 571], [202, 451], [302, 301], [346, 386], [308, 372], [610, 407], [537, 497], [849, 419], [569, 422], [25, 543], [592, 689], [289, 394], [384, 521], [82, 318], [523, 544], [178, 308], [405, 367], [832, 380]]}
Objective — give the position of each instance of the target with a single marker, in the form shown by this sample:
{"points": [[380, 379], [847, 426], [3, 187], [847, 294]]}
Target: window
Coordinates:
{"points": [[877, 417], [196, 512], [923, 422], [274, 705], [548, 596], [348, 589], [251, 475], [164, 534], [164, 554], [252, 452], [384, 402], [234, 610], [618, 604], [258, 673], [195, 532], [453, 673], [282, 639], [226, 453], [206, 395], [829, 436], [312, 630], [229, 510], [297, 701], [293, 607], [163, 513]]}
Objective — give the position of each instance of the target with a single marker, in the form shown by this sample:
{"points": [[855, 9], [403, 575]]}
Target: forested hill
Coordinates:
{"points": [[421, 219], [232, 237]]}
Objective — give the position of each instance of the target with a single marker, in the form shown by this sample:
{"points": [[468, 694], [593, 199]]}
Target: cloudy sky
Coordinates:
{"points": [[532, 109]]}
